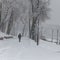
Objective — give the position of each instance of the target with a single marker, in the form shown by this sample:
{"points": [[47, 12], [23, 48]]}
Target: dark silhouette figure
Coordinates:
{"points": [[19, 36]]}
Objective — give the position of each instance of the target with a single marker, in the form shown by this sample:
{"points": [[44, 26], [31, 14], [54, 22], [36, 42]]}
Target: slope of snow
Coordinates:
{"points": [[27, 49], [3, 35]]}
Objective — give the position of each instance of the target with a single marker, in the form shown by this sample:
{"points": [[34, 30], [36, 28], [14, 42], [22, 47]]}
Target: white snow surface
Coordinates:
{"points": [[11, 49], [3, 34]]}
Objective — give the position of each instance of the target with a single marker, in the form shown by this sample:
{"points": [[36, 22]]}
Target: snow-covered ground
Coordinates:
{"points": [[3, 35], [11, 49]]}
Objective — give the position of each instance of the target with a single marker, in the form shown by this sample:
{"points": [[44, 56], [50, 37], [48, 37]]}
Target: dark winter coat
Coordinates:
{"points": [[19, 36]]}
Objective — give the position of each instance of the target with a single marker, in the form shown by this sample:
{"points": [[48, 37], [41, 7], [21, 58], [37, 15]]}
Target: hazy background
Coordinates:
{"points": [[55, 12]]}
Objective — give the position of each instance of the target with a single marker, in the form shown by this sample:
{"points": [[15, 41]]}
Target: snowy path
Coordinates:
{"points": [[11, 49]]}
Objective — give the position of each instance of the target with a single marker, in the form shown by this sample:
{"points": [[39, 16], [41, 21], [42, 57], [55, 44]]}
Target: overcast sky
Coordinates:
{"points": [[55, 13]]}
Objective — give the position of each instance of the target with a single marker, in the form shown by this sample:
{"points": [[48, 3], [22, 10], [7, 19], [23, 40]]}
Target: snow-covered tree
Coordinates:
{"points": [[39, 12], [0, 10], [9, 14]]}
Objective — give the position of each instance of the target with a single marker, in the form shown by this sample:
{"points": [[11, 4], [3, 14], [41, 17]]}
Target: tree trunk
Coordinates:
{"points": [[2, 27], [57, 36], [29, 29], [23, 29], [32, 32], [10, 23], [38, 33]]}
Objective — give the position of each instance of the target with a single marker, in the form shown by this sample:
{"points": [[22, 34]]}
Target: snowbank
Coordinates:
{"points": [[3, 35]]}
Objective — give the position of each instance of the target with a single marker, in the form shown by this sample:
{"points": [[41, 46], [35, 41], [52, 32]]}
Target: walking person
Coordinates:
{"points": [[19, 36]]}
